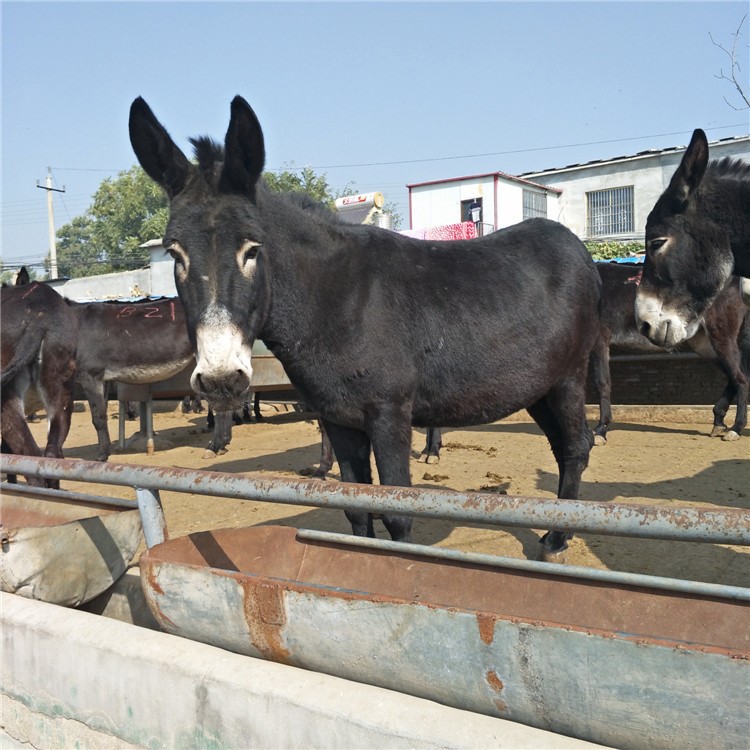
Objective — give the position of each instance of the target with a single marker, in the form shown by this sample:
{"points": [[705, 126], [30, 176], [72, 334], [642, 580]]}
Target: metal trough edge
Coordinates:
{"points": [[698, 588]]}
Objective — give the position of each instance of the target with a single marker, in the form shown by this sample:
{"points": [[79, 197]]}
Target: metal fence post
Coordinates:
{"points": [[152, 516]]}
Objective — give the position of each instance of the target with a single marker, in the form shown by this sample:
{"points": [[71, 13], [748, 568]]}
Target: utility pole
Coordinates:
{"points": [[52, 246]]}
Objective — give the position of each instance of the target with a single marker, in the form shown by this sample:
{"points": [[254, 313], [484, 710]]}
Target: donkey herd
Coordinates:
{"points": [[379, 332]]}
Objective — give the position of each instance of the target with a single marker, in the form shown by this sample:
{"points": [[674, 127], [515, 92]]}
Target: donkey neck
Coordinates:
{"points": [[727, 200], [302, 250]]}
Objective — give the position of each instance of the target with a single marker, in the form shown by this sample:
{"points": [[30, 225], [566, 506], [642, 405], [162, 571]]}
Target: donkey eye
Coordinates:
{"points": [[180, 257], [249, 250], [656, 244], [246, 256]]}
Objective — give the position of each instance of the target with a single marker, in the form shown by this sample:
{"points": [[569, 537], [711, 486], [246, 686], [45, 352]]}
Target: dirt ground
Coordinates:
{"points": [[655, 456]]}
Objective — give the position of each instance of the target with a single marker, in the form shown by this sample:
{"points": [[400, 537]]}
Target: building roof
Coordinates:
{"points": [[632, 157], [504, 175]]}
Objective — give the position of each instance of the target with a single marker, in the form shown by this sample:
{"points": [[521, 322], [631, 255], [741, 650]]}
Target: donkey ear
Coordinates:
{"points": [[245, 153], [162, 161], [689, 174]]}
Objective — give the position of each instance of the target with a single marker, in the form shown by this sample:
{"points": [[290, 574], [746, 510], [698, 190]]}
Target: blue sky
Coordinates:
{"points": [[375, 94]]}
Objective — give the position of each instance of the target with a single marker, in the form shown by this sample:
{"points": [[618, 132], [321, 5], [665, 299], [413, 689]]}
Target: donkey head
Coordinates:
{"points": [[688, 255], [215, 236]]}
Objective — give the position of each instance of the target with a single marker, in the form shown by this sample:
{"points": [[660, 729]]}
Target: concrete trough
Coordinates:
{"points": [[74, 679]]}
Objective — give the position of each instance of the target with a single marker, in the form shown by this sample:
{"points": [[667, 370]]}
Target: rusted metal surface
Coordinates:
{"points": [[63, 551], [625, 666], [92, 501], [686, 523], [550, 569]]}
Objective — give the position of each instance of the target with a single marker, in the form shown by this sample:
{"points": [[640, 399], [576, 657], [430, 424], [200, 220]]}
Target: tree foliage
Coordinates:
{"points": [[305, 180], [126, 212]]}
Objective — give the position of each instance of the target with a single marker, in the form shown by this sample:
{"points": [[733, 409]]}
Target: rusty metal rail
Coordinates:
{"points": [[685, 523]]}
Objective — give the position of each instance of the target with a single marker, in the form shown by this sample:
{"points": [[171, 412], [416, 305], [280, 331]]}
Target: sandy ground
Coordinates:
{"points": [[654, 456]]}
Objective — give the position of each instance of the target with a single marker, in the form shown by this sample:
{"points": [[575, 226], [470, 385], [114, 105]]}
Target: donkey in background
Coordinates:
{"points": [[723, 336], [38, 340], [697, 236]]}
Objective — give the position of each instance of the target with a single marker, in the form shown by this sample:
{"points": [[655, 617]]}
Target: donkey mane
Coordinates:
{"points": [[210, 157], [728, 167]]}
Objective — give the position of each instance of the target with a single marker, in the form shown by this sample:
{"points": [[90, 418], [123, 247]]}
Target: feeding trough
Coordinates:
{"points": [[62, 547], [626, 664]]}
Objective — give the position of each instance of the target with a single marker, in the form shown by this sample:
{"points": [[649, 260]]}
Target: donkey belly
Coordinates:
{"points": [[471, 392], [142, 373]]}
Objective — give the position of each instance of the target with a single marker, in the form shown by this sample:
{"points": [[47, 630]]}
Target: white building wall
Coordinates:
{"points": [[649, 175], [439, 204], [509, 204]]}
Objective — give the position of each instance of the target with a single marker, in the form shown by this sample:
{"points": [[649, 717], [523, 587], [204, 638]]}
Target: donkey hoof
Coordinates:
{"points": [[314, 472], [600, 440], [719, 430], [730, 436], [208, 453]]}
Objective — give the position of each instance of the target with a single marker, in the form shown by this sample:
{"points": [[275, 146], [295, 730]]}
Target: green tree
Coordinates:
{"points": [[126, 211], [304, 180]]}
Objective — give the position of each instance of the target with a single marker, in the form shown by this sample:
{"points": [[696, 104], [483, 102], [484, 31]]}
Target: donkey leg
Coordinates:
{"points": [[433, 444], [57, 380], [17, 437], [390, 432], [326, 454], [740, 418], [256, 407], [222, 435], [730, 360], [96, 394], [60, 410], [352, 448], [554, 543], [602, 380], [562, 417], [721, 407]]}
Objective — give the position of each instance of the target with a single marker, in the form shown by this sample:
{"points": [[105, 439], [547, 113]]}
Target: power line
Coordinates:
{"points": [[509, 151], [292, 168]]}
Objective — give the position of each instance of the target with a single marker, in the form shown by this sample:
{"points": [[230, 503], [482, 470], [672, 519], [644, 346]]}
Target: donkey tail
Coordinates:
{"points": [[744, 344], [25, 354]]}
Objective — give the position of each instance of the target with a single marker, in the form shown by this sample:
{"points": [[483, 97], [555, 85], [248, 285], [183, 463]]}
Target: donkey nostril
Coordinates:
{"points": [[645, 329]]}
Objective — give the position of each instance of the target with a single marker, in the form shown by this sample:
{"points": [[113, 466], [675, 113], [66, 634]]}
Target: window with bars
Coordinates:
{"points": [[609, 211], [534, 204]]}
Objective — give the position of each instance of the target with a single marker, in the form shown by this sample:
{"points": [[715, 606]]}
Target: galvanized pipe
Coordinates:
{"points": [[48, 493], [698, 588], [718, 526], [152, 516]]}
